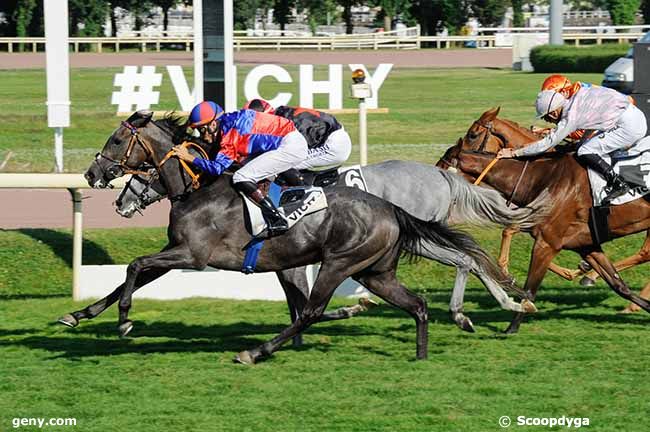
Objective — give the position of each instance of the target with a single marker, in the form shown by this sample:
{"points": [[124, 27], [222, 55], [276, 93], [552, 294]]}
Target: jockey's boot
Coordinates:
{"points": [[276, 222], [292, 177], [616, 185]]}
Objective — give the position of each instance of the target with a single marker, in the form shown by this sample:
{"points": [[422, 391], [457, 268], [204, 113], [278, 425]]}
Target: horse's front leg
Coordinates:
{"points": [[506, 241], [178, 257], [91, 311], [541, 258]]}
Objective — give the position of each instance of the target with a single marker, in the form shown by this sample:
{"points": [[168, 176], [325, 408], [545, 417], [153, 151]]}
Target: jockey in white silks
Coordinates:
{"points": [[620, 125]]}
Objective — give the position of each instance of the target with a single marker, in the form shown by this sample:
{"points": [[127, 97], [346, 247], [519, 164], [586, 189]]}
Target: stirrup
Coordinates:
{"points": [[616, 190]]}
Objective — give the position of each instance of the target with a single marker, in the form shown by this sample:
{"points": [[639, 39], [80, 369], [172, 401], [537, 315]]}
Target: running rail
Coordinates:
{"points": [[74, 183]]}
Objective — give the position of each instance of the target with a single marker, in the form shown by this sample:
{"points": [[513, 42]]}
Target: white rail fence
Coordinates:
{"points": [[408, 38]]}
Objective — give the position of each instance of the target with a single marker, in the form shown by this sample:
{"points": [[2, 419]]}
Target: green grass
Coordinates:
{"points": [[577, 357], [427, 107]]}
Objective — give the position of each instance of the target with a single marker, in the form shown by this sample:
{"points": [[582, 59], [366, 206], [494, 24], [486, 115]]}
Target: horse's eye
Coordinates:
{"points": [[117, 141], [473, 135]]}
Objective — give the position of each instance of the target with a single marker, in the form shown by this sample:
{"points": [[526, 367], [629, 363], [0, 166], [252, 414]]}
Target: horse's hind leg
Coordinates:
{"points": [[644, 294], [601, 263], [386, 286], [296, 288], [329, 278]]}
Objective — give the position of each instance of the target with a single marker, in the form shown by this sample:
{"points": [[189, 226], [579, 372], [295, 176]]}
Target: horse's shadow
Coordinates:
{"points": [[99, 339]]}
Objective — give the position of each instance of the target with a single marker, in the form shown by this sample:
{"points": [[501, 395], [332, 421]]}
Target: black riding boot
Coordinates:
{"points": [[277, 224], [292, 177], [616, 186]]}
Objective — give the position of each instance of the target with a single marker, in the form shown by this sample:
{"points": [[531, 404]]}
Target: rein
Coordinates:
{"points": [[521, 176], [188, 170], [485, 171], [136, 139]]}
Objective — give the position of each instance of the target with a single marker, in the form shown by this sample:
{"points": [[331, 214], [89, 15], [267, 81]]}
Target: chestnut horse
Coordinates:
{"points": [[491, 134], [565, 226]]}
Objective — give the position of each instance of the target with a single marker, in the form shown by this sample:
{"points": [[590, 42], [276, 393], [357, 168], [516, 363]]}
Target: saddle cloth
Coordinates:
{"points": [[294, 204], [633, 165]]}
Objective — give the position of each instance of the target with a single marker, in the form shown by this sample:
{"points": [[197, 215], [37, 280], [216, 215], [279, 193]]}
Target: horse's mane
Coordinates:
{"points": [[521, 129], [175, 125]]}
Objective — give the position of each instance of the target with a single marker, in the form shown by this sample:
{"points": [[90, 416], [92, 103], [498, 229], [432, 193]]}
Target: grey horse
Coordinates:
{"points": [[423, 191], [358, 235]]}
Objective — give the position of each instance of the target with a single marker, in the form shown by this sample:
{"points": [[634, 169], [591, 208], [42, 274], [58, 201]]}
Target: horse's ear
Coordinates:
{"points": [[460, 141], [498, 110], [490, 114], [140, 118]]}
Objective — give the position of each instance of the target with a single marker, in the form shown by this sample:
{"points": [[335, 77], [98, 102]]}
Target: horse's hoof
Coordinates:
{"points": [[68, 320], [367, 303], [586, 282], [631, 309], [584, 266], [244, 357], [528, 306], [125, 328], [467, 325]]}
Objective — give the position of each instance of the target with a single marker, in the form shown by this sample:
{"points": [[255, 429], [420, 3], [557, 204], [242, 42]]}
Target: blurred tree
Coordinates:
{"points": [[166, 6], [317, 12], [645, 9], [22, 16], [347, 14], [112, 6], [282, 12], [517, 13], [623, 12], [489, 13], [391, 9], [87, 17]]}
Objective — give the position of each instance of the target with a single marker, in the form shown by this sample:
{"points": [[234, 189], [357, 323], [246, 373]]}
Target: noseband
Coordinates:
{"points": [[137, 139]]}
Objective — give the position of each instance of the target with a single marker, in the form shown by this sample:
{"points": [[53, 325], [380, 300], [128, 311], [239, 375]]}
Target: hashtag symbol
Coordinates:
{"points": [[136, 88]]}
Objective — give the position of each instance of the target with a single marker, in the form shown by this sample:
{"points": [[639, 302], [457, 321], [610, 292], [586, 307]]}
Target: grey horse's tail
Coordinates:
{"points": [[476, 204], [415, 233]]}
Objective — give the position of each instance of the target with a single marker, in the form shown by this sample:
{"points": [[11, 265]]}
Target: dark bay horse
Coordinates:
{"points": [[404, 184], [490, 134], [358, 235], [565, 226]]}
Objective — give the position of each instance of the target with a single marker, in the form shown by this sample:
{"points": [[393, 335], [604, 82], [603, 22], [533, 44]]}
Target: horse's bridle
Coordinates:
{"points": [[136, 138], [489, 130]]}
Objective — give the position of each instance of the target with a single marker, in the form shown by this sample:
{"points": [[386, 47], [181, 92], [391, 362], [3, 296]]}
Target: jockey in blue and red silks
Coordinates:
{"points": [[265, 144]]}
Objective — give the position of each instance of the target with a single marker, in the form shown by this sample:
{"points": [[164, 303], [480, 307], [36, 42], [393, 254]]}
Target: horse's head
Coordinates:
{"points": [[481, 135], [140, 191], [491, 134], [126, 151]]}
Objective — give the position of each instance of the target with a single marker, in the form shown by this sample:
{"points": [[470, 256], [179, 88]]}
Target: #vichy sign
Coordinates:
{"points": [[137, 87]]}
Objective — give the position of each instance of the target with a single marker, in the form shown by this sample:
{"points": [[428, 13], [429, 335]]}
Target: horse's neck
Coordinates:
{"points": [[505, 174], [515, 135]]}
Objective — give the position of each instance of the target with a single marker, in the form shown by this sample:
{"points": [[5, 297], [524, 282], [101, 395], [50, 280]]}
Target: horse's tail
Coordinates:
{"points": [[415, 234], [475, 204]]}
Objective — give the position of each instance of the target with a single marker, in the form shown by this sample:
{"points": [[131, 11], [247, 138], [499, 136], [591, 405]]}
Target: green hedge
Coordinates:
{"points": [[593, 59]]}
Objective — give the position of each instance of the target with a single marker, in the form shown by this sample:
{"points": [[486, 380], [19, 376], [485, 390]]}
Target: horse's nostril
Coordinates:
{"points": [[89, 175]]}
